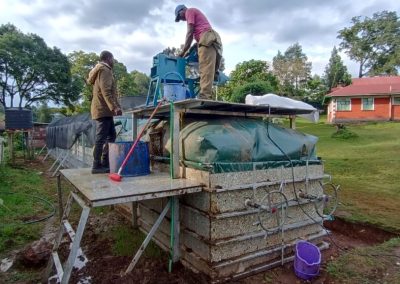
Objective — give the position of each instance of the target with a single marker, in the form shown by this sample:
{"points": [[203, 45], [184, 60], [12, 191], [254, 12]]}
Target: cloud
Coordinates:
{"points": [[136, 30]]}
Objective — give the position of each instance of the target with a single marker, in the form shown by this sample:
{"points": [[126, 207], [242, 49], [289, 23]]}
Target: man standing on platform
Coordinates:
{"points": [[209, 46], [104, 106]]}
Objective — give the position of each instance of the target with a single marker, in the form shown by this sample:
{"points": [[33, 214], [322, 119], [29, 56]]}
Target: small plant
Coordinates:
{"points": [[343, 133]]}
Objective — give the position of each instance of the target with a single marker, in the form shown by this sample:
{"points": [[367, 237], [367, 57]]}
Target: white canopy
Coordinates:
{"points": [[273, 100]]}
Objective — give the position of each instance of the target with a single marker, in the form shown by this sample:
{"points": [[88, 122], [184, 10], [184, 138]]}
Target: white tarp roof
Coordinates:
{"points": [[273, 100]]}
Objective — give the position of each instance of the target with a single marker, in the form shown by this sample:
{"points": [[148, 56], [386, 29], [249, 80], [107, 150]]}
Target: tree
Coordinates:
{"points": [[248, 72], [125, 85], [141, 81], [374, 43], [256, 88], [315, 91], [82, 63], [335, 72], [172, 51], [43, 113], [31, 71], [292, 70]]}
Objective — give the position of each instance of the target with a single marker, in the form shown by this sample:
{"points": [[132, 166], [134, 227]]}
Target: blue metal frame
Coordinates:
{"points": [[164, 65]]}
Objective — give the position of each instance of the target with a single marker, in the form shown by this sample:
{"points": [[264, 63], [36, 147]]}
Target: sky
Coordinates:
{"points": [[136, 30]]}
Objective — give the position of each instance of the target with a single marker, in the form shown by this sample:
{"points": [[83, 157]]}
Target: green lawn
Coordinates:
{"points": [[366, 167]]}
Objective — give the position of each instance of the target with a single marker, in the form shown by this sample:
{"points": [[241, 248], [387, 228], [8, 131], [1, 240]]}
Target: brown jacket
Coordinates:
{"points": [[105, 99]]}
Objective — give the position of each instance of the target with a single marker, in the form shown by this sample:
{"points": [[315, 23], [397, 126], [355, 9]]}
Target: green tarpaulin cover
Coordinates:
{"points": [[243, 144]]}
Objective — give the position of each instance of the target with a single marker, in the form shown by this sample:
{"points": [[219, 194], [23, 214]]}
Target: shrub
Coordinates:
{"points": [[343, 133], [254, 88]]}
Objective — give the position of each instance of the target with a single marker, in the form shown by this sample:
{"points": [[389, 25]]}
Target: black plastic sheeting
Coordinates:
{"points": [[64, 132], [242, 144]]}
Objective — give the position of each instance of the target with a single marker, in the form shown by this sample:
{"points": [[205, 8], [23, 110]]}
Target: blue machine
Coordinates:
{"points": [[166, 70], [176, 75]]}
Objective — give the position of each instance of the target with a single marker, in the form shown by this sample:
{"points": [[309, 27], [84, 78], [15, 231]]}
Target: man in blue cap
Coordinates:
{"points": [[209, 46]]}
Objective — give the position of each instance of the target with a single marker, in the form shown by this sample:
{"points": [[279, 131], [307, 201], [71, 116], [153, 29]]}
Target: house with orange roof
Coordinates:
{"points": [[365, 99]]}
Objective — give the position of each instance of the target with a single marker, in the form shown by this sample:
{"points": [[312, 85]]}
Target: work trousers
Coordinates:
{"points": [[207, 66], [105, 133]]}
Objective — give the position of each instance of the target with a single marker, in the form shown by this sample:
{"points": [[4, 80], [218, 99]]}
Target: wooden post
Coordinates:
{"points": [[292, 119]]}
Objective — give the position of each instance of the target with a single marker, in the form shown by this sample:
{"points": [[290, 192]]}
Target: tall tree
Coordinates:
{"points": [[249, 72], [82, 63], [292, 69], [315, 91], [43, 113], [141, 82], [336, 72], [32, 72], [374, 43]]}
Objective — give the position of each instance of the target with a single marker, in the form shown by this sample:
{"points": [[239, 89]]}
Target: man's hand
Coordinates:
{"points": [[117, 111]]}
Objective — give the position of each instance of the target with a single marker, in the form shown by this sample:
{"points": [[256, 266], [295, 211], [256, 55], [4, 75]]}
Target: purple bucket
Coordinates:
{"points": [[307, 260]]}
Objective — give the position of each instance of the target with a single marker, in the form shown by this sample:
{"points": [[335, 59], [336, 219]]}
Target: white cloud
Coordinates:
{"points": [[135, 30]]}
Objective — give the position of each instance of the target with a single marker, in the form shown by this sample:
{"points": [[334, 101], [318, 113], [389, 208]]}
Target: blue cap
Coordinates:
{"points": [[177, 10]]}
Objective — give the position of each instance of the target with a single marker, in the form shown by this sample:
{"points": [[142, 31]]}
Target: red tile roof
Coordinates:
{"points": [[369, 86]]}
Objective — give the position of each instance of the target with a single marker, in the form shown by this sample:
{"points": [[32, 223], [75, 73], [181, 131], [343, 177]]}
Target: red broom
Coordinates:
{"points": [[117, 176]]}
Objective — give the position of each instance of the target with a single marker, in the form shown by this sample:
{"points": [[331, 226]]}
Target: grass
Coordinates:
{"points": [[126, 242], [366, 165], [18, 204], [368, 265]]}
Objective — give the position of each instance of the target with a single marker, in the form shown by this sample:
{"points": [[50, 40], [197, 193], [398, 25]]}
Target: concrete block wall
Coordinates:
{"points": [[219, 234]]}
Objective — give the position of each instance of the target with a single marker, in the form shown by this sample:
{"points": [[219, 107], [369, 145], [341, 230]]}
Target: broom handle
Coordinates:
{"points": [[138, 138]]}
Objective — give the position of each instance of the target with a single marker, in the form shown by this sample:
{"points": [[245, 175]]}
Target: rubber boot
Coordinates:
{"points": [[98, 169]]}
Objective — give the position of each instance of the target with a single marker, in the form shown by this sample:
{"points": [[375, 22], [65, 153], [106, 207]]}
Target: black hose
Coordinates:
{"points": [[41, 199]]}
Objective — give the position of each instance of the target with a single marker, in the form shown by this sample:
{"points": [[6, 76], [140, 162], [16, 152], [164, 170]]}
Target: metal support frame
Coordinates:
{"points": [[148, 238], [134, 204], [174, 138], [153, 97], [61, 158], [47, 154], [61, 163], [64, 271], [41, 150]]}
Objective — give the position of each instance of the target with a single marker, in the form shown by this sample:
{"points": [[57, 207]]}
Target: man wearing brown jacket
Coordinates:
{"points": [[104, 106]]}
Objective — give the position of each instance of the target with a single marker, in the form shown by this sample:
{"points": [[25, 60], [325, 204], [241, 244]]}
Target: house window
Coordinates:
{"points": [[343, 104], [396, 100], [367, 103]]}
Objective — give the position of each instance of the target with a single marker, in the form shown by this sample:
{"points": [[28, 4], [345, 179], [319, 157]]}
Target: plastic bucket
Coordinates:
{"points": [[174, 91], [138, 163], [307, 260]]}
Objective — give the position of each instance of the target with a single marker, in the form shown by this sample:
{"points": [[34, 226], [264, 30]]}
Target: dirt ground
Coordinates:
{"points": [[105, 267]]}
